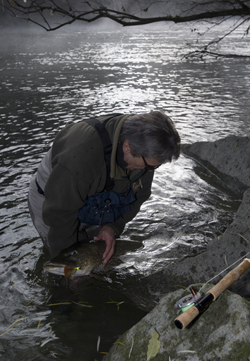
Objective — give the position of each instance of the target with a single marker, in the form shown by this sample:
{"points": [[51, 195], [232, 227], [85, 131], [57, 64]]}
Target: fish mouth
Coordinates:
{"points": [[59, 269]]}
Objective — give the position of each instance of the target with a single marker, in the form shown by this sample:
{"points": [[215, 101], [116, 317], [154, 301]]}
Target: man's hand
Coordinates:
{"points": [[107, 234]]}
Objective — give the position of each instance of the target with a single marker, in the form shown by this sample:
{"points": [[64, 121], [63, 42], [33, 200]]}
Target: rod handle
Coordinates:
{"points": [[186, 317], [230, 278], [189, 315]]}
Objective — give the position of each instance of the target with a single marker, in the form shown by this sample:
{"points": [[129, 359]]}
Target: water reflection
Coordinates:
{"points": [[47, 82]]}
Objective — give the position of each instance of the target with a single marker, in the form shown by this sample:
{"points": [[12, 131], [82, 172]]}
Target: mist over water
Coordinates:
{"points": [[50, 80]]}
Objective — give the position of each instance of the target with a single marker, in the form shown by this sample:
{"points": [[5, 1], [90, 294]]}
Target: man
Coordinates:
{"points": [[99, 172]]}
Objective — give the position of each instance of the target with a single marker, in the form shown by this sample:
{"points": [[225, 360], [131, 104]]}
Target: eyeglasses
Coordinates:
{"points": [[148, 166]]}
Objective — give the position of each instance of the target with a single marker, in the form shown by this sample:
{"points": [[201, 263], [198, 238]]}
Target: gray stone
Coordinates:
{"points": [[227, 158], [221, 333]]}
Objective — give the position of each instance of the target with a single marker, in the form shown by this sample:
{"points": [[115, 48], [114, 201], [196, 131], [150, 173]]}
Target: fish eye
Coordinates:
{"points": [[70, 253]]}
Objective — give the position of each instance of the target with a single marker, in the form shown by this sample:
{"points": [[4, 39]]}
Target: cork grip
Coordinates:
{"points": [[186, 317], [230, 278]]}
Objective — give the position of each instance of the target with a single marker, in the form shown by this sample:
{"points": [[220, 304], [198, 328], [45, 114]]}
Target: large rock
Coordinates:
{"points": [[227, 158], [221, 333]]}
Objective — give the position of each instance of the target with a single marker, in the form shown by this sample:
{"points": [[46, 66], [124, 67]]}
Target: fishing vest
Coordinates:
{"points": [[105, 207]]}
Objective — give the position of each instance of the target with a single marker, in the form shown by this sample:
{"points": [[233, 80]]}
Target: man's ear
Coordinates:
{"points": [[126, 147]]}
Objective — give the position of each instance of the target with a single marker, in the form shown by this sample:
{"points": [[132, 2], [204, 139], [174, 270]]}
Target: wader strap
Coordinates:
{"points": [[39, 189], [107, 145]]}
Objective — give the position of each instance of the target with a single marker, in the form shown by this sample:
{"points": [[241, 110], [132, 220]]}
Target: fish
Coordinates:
{"points": [[86, 258]]}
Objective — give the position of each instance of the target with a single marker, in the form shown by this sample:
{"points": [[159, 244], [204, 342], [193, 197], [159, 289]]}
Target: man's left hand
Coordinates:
{"points": [[107, 234]]}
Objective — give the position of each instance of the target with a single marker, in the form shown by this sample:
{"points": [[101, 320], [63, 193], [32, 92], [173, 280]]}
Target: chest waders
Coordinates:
{"points": [[105, 207]]}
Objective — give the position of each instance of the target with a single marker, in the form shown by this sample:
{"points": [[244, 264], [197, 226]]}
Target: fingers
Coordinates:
{"points": [[108, 235], [110, 248]]}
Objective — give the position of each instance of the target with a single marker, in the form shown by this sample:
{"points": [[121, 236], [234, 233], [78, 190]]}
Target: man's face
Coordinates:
{"points": [[136, 162]]}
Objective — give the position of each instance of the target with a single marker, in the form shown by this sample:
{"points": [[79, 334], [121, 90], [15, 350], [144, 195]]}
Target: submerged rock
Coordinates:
{"points": [[221, 333]]}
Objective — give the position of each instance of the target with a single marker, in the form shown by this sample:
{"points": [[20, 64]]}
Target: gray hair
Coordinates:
{"points": [[152, 135]]}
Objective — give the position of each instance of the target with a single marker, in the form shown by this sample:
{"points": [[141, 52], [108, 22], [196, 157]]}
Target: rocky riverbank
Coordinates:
{"points": [[222, 332]]}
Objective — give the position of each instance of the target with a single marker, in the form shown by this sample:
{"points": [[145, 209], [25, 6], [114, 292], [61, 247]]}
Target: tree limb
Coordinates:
{"points": [[96, 11], [52, 15]]}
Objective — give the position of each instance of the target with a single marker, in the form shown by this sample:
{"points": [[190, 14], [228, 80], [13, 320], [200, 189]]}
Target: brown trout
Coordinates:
{"points": [[82, 259]]}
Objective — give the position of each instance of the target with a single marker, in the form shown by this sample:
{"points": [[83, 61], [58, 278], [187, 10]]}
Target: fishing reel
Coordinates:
{"points": [[194, 304], [188, 301]]}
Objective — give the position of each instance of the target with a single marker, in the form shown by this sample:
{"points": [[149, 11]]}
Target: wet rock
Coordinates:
{"points": [[222, 332], [227, 158]]}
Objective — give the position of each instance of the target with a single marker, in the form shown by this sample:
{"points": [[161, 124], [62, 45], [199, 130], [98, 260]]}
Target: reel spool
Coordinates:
{"points": [[188, 301]]}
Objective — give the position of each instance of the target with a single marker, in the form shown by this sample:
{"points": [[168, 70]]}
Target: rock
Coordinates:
{"points": [[221, 333], [227, 158]]}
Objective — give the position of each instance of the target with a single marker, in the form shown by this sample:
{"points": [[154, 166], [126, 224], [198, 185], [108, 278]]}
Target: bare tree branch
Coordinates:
{"points": [[91, 11], [55, 14]]}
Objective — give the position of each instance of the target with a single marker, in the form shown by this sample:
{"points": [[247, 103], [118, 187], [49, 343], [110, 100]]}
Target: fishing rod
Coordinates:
{"points": [[195, 304]]}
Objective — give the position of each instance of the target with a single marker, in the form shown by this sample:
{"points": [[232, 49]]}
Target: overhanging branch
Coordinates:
{"points": [[55, 14], [93, 11]]}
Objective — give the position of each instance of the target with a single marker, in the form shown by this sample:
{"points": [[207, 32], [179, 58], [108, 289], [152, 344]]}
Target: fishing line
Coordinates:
{"points": [[227, 267]]}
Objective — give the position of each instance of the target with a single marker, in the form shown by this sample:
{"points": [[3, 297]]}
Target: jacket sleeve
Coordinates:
{"points": [[141, 196]]}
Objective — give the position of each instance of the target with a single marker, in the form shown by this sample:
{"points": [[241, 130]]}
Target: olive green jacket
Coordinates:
{"points": [[78, 172]]}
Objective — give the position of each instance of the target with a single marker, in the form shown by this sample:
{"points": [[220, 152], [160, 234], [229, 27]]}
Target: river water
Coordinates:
{"points": [[50, 80]]}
